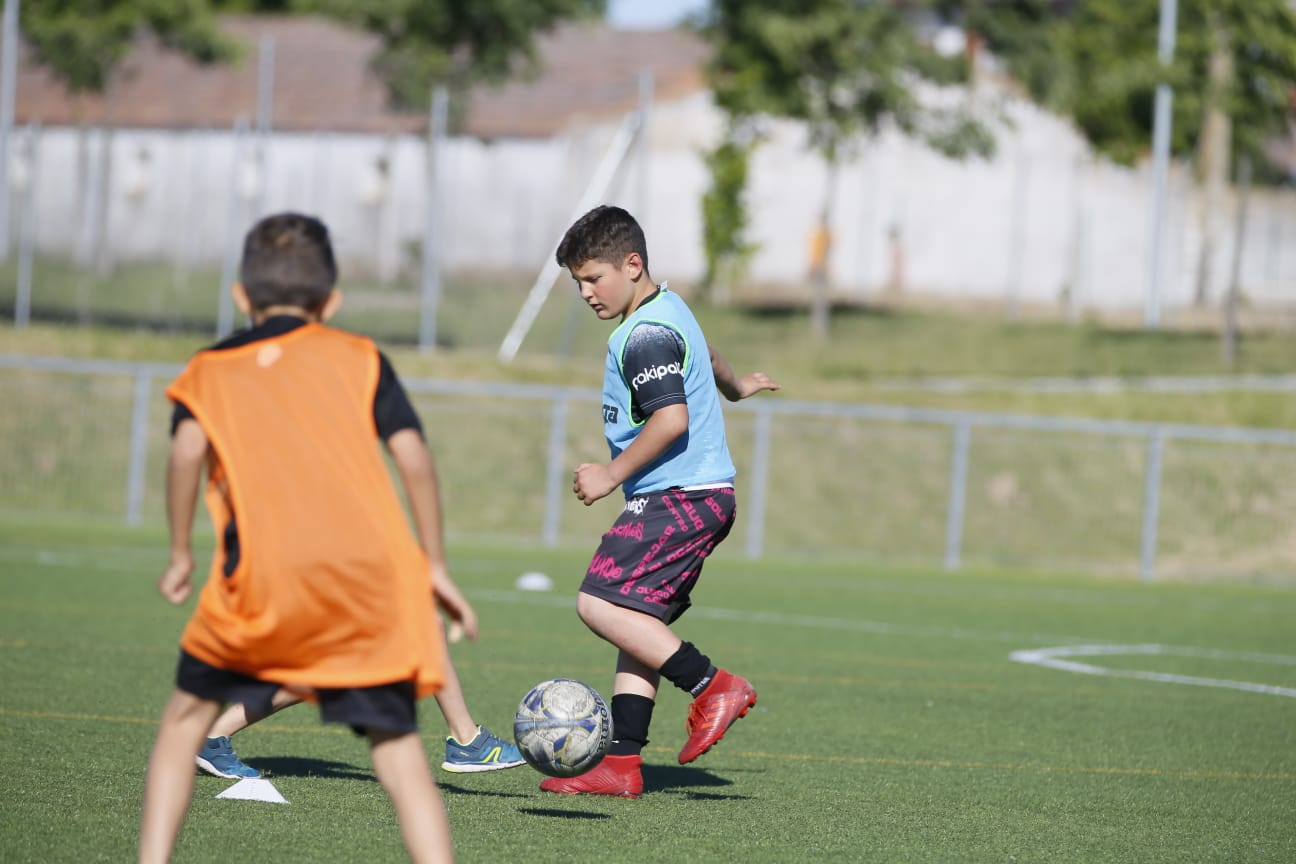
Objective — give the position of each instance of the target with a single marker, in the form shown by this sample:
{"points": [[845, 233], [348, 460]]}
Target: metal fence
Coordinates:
{"points": [[87, 438]]}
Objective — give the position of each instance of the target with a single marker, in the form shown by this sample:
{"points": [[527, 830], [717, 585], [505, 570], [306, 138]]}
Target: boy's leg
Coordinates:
{"points": [[168, 786], [648, 640], [401, 766], [470, 748], [619, 773], [238, 716], [454, 707], [217, 756], [719, 697]]}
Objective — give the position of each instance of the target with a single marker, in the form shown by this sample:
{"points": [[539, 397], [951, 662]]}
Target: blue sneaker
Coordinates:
{"points": [[218, 759], [485, 752]]}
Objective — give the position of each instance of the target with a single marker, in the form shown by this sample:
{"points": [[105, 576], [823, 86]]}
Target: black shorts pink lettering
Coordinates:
{"points": [[652, 555]]}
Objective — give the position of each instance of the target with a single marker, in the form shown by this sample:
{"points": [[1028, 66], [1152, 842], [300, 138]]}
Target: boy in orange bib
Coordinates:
{"points": [[317, 586]]}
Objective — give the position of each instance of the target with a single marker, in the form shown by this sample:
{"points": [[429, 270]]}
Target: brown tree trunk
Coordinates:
{"points": [[1213, 154]]}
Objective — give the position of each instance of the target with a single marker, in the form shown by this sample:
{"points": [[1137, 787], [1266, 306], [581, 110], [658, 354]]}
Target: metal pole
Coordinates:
{"points": [[759, 481], [954, 516], [599, 183], [431, 283], [135, 474], [555, 471], [264, 118], [1228, 345], [1017, 231], [8, 86], [644, 145], [1151, 505], [27, 232], [233, 216], [1161, 121]]}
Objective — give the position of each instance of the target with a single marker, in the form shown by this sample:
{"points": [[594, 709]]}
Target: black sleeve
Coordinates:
{"points": [[179, 414], [392, 410], [653, 365]]}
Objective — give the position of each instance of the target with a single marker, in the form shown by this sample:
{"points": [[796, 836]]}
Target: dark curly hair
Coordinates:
{"points": [[605, 233]]}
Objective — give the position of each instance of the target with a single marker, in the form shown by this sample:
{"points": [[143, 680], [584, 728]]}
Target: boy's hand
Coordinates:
{"points": [[174, 585], [463, 618], [755, 382], [592, 481]]}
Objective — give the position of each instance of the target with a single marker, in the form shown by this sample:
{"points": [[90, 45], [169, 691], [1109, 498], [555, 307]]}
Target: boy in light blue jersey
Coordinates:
{"points": [[665, 431]]}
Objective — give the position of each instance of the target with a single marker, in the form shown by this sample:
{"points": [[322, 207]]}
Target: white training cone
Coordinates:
{"points": [[254, 790], [533, 582]]}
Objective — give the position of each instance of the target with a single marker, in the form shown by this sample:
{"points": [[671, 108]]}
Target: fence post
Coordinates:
{"points": [[954, 515], [1151, 505], [135, 474], [555, 472], [233, 236], [759, 480], [27, 230]]}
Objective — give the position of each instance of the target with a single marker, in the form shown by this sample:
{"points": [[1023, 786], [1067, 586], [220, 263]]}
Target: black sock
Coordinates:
{"points": [[631, 715], [689, 669]]}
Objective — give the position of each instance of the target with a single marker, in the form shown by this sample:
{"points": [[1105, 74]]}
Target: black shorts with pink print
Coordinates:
{"points": [[651, 557]]}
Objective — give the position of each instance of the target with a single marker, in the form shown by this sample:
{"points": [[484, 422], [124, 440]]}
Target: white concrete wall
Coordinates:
{"points": [[1040, 217]]}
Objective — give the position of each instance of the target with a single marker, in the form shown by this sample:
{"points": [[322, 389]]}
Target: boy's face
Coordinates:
{"points": [[611, 291]]}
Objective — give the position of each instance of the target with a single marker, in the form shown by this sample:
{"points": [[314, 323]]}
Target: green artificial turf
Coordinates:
{"points": [[892, 723]]}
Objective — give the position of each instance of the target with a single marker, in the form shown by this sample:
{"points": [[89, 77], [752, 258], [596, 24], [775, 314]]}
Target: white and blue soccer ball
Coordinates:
{"points": [[563, 727]]}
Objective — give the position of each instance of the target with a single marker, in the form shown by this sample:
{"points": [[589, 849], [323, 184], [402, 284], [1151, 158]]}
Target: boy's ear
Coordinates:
{"points": [[241, 301], [331, 305], [633, 266]]}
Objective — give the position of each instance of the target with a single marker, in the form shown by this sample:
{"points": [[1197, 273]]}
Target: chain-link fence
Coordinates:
{"points": [[87, 439]]}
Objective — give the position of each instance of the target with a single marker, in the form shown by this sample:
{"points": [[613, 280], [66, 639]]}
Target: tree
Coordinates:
{"points": [[844, 68], [84, 44], [424, 43], [724, 218], [1234, 78], [446, 42]]}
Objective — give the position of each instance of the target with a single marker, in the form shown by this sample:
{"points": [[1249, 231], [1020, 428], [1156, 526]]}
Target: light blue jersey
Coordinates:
{"points": [[700, 457]]}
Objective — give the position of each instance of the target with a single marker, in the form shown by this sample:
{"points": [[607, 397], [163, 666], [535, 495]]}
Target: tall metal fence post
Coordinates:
{"points": [[759, 481], [8, 90], [954, 516], [430, 279], [555, 471], [233, 236], [1151, 505], [27, 230], [137, 470]]}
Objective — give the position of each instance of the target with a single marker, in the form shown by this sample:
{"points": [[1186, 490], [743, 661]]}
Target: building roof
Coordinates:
{"points": [[323, 81]]}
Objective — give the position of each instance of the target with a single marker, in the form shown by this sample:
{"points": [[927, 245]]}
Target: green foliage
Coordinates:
{"points": [[843, 67], [82, 43], [724, 216], [450, 42], [1097, 62]]}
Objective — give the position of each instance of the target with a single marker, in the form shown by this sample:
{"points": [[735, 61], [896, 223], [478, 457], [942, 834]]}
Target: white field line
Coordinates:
{"points": [[1053, 658]]}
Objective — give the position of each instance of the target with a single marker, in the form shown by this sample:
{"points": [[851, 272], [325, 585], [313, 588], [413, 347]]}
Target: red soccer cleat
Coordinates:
{"points": [[618, 776], [724, 700]]}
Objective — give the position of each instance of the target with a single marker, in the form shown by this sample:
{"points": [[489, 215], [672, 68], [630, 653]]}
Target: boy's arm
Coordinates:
{"points": [[418, 475], [184, 475], [594, 480], [733, 387]]}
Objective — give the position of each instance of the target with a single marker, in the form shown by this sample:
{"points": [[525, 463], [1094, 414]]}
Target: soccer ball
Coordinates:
{"points": [[562, 727]]}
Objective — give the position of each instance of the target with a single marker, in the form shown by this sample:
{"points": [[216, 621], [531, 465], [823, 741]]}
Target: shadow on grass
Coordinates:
{"points": [[490, 793], [686, 780], [295, 766], [562, 814]]}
